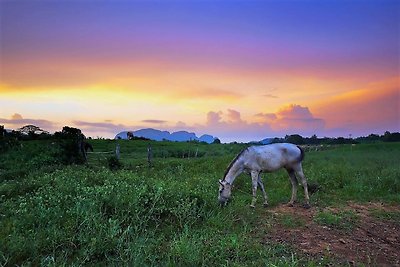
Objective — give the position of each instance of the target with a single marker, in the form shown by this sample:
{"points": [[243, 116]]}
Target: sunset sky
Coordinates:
{"points": [[239, 70]]}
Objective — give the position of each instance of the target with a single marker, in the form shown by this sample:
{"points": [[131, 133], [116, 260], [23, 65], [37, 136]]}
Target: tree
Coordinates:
{"points": [[216, 141], [30, 129], [391, 137], [294, 139], [313, 139], [72, 132], [72, 145]]}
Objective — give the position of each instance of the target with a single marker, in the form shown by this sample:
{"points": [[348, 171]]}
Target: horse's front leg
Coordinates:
{"points": [[254, 182]]}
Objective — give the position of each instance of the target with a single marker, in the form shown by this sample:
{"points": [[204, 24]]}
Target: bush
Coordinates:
{"points": [[114, 163]]}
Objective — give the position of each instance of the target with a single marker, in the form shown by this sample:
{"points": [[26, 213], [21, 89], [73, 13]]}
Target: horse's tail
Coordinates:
{"points": [[301, 158]]}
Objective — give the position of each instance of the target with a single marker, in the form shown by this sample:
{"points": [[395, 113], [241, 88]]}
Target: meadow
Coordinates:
{"points": [[167, 214]]}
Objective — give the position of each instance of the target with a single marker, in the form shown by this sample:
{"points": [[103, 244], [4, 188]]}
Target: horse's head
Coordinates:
{"points": [[224, 192]]}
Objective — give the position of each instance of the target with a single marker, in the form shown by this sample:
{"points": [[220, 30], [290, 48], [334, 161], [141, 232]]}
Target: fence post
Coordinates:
{"points": [[149, 155], [197, 150], [117, 151]]}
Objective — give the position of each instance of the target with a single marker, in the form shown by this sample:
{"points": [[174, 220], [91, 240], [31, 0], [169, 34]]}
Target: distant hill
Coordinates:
{"points": [[157, 135], [207, 138]]}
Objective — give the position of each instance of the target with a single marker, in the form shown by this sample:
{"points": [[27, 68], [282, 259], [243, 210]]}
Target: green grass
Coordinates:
{"points": [[168, 215], [392, 216], [363, 173], [343, 220]]}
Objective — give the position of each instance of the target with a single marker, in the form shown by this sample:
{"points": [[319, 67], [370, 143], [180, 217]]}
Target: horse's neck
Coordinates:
{"points": [[234, 171]]}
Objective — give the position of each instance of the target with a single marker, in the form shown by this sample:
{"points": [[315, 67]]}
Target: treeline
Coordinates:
{"points": [[31, 132], [314, 140], [67, 145]]}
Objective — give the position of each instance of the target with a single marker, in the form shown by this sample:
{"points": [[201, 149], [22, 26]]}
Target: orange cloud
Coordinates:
{"points": [[16, 116], [17, 121], [293, 119], [289, 119]]}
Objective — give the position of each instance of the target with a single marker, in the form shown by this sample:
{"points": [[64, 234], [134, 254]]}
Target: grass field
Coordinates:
{"points": [[167, 214]]}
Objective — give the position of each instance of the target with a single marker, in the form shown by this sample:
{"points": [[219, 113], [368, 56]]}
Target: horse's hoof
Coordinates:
{"points": [[252, 206], [266, 205], [306, 206], [290, 204]]}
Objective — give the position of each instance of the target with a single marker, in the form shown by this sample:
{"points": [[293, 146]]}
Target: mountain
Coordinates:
{"points": [[152, 134], [157, 135], [207, 138], [182, 136]]}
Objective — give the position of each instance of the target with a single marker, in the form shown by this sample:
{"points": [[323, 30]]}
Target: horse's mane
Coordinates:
{"points": [[233, 162]]}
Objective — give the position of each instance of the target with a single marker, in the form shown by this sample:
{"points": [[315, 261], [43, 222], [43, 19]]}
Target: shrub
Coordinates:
{"points": [[114, 163]]}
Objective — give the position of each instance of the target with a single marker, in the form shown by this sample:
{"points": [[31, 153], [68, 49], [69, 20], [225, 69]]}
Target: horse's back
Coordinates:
{"points": [[278, 149], [275, 156]]}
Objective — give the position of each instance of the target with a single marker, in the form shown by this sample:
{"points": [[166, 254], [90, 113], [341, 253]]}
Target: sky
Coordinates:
{"points": [[238, 70]]}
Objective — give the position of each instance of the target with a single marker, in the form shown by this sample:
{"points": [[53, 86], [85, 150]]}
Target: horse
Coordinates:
{"points": [[266, 158]]}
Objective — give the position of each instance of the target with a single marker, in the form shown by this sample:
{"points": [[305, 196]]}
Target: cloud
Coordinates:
{"points": [[291, 119], [269, 96], [17, 121], [296, 119], [234, 116], [213, 118], [104, 129], [99, 125], [154, 121], [229, 126], [16, 116], [294, 112], [181, 124], [266, 117]]}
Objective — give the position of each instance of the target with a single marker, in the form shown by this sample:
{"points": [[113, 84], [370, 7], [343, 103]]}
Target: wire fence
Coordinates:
{"points": [[148, 153], [128, 153]]}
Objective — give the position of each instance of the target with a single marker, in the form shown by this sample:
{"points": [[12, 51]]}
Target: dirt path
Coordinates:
{"points": [[371, 238]]}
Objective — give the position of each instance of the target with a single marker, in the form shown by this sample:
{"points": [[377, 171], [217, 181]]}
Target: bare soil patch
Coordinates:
{"points": [[372, 240]]}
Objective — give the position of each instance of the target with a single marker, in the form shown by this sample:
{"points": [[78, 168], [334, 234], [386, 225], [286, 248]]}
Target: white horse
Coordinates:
{"points": [[267, 158]]}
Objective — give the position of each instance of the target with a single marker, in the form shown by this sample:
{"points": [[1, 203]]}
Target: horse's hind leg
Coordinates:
{"points": [[261, 184], [294, 182], [299, 173], [254, 182]]}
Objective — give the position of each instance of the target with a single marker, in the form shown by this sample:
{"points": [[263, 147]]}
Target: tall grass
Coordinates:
{"points": [[168, 215]]}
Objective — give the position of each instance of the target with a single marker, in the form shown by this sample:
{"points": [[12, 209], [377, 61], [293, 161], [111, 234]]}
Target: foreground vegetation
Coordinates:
{"points": [[167, 214]]}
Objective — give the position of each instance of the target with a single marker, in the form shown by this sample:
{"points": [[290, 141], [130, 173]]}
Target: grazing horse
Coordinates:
{"points": [[267, 158]]}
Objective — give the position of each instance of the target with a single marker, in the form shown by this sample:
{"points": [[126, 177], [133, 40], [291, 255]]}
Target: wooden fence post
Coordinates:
{"points": [[149, 155], [117, 151]]}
